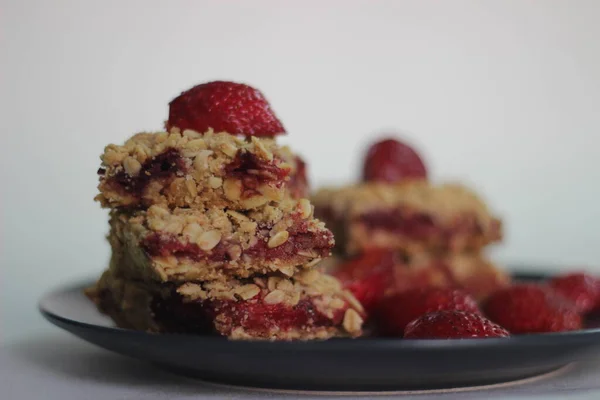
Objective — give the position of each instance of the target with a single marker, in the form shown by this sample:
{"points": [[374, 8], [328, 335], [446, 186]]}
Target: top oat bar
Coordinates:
{"points": [[189, 169], [413, 217]]}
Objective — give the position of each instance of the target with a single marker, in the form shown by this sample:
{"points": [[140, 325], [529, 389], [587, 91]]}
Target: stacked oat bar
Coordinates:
{"points": [[393, 236], [212, 232]]}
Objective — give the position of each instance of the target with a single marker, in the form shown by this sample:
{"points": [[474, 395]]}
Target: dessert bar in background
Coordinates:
{"points": [[396, 231], [412, 217]]}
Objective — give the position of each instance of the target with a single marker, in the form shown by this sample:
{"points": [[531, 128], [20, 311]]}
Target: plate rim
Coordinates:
{"points": [[334, 344]]}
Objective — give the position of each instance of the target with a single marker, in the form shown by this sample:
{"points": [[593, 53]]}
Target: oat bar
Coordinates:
{"points": [[414, 217], [309, 305], [191, 169], [192, 244]]}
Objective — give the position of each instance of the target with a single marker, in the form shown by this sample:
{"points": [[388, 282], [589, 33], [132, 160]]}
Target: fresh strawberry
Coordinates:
{"points": [[225, 107], [395, 312], [368, 276], [390, 160], [531, 308], [579, 287], [453, 324]]}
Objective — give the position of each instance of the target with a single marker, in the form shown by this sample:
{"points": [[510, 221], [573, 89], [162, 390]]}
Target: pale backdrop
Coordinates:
{"points": [[502, 95]]}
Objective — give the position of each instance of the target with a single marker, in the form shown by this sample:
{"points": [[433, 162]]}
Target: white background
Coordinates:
{"points": [[502, 95]]}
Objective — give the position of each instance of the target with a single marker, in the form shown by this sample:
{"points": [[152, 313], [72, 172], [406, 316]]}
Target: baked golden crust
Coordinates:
{"points": [[415, 217], [215, 244], [190, 169], [234, 308]]}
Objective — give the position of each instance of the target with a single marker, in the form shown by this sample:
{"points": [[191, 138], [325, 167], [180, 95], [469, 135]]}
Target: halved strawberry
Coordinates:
{"points": [[581, 288], [452, 324], [390, 160], [395, 312], [225, 107], [531, 308], [368, 276]]}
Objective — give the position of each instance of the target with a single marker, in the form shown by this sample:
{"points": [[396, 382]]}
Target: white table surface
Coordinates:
{"points": [[56, 365]]}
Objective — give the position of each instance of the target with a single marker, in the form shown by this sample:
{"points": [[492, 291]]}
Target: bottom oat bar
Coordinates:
{"points": [[310, 305]]}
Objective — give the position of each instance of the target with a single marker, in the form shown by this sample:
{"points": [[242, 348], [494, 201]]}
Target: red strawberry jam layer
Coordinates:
{"points": [[254, 171], [299, 242], [166, 244], [251, 170], [254, 315], [164, 166], [417, 226]]}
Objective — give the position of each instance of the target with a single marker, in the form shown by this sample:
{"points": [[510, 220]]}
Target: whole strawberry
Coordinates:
{"points": [[531, 308], [368, 276], [395, 312], [452, 324], [390, 160], [225, 107], [581, 288]]}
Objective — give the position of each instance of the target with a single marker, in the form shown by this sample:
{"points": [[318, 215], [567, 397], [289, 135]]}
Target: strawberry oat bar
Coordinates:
{"points": [[211, 231], [192, 169], [412, 216], [207, 244], [310, 305]]}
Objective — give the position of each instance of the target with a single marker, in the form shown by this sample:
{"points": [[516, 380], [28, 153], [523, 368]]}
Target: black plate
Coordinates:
{"points": [[339, 364]]}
